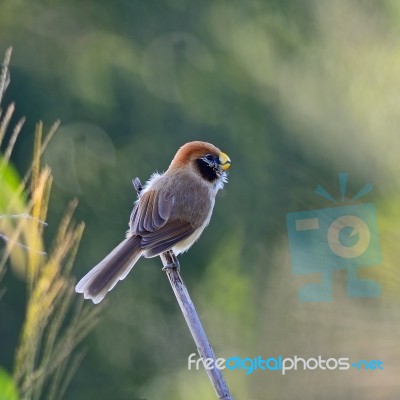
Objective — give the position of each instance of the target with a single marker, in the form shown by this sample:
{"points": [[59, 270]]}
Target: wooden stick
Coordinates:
{"points": [[171, 268]]}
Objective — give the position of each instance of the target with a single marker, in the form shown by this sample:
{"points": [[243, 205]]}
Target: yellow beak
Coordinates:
{"points": [[224, 161]]}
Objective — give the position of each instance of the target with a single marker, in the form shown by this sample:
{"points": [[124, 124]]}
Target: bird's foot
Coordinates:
{"points": [[171, 266], [171, 261]]}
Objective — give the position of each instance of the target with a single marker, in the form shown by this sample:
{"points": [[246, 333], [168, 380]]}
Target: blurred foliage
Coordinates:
{"points": [[294, 92], [54, 322], [8, 390]]}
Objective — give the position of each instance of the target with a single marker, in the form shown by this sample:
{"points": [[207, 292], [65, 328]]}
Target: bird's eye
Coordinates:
{"points": [[210, 157]]}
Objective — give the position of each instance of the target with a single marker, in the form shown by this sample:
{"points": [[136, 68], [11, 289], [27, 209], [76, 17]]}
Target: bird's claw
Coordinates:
{"points": [[171, 261], [174, 265]]}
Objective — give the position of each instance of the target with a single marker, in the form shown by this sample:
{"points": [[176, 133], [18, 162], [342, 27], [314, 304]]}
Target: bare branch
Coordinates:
{"points": [[171, 268]]}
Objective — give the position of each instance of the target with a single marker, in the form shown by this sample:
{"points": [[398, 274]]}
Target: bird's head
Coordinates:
{"points": [[204, 158]]}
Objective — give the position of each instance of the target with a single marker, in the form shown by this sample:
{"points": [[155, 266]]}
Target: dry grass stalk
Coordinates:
{"points": [[55, 320]]}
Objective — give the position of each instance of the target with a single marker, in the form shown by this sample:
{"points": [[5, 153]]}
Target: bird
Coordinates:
{"points": [[172, 210]]}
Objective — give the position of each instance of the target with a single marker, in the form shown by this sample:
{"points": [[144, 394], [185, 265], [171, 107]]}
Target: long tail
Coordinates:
{"points": [[106, 274]]}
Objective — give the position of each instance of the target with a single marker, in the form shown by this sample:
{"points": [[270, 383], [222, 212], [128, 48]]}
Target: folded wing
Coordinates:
{"points": [[151, 220]]}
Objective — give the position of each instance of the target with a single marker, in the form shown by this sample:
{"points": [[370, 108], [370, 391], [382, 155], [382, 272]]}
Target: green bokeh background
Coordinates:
{"points": [[294, 92]]}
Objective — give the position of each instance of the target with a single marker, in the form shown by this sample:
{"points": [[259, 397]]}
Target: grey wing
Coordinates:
{"points": [[151, 212], [150, 219]]}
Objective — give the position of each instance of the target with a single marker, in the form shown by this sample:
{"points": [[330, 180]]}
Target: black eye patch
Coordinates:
{"points": [[207, 171]]}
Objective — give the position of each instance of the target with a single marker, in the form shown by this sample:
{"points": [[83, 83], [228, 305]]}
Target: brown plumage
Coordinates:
{"points": [[171, 213]]}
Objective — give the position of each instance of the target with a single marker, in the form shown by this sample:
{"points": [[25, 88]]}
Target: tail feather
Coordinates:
{"points": [[106, 274]]}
